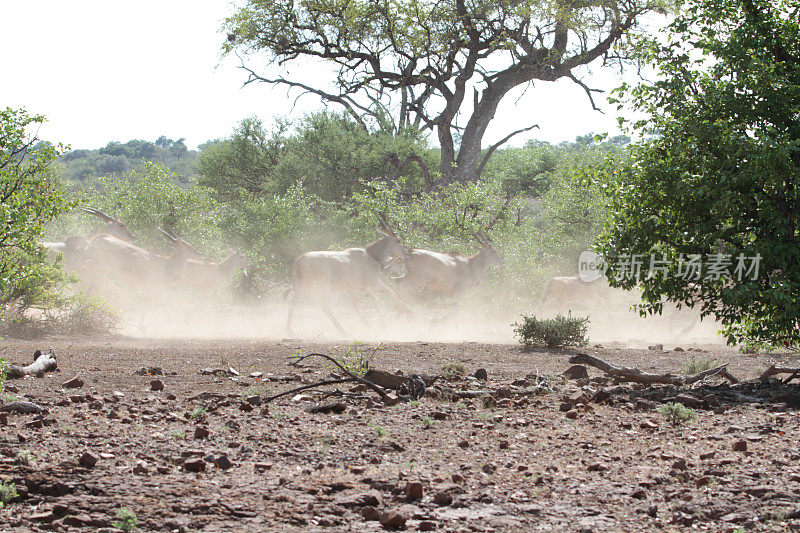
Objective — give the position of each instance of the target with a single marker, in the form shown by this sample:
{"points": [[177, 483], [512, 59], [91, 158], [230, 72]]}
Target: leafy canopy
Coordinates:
{"points": [[29, 199], [721, 170]]}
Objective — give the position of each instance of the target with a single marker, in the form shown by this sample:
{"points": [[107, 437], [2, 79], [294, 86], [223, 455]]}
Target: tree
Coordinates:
{"points": [[29, 199], [414, 64], [244, 162], [719, 177]]}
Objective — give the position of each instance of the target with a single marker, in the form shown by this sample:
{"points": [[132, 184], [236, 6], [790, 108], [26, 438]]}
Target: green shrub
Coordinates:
{"points": [[552, 332], [126, 520], [8, 492], [676, 414], [453, 370]]}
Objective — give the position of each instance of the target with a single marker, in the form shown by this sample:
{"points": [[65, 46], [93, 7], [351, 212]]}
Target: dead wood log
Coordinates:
{"points": [[775, 370], [42, 363], [382, 393], [384, 379], [22, 407], [637, 376], [309, 386]]}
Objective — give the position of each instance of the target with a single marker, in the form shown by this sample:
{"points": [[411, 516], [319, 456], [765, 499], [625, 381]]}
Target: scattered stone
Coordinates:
{"points": [[740, 446], [656, 347], [597, 467], [489, 468], [201, 433], [393, 519], [45, 517], [74, 383], [414, 490], [223, 462], [194, 465], [572, 414], [141, 468], [680, 464], [463, 444], [427, 525], [245, 407], [648, 424], [678, 349], [439, 415], [565, 407], [327, 408], [481, 374], [370, 513], [576, 372], [362, 499], [87, 459], [690, 401], [156, 385]]}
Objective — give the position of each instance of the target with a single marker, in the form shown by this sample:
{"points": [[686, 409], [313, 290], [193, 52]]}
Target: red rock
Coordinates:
{"points": [[194, 465], [156, 385], [201, 433], [88, 460], [74, 383], [370, 513], [740, 446], [393, 519], [223, 462], [414, 490]]}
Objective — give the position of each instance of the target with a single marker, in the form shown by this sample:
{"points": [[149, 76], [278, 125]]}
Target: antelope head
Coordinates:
{"points": [[114, 226], [487, 248]]}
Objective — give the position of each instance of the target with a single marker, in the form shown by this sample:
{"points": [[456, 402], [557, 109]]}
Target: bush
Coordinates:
{"points": [[552, 332], [676, 413]]}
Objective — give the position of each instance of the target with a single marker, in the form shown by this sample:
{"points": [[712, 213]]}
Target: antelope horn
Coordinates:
{"points": [[99, 214], [170, 237]]}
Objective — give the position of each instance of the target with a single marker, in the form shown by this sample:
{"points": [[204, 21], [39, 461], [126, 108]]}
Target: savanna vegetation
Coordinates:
{"points": [[714, 173]]}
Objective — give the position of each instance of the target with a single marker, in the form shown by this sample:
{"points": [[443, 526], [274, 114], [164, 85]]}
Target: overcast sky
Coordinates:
{"points": [[114, 71]]}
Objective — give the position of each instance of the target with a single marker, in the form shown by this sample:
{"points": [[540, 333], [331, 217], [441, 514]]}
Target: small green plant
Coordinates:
{"points": [[8, 492], [198, 412], [25, 457], [177, 435], [126, 520], [356, 358], [695, 366], [453, 370], [414, 403], [380, 431], [279, 415], [552, 332], [427, 422], [676, 414], [8, 398]]}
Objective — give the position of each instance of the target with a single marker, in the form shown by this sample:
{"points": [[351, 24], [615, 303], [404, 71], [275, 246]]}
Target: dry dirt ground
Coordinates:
{"points": [[207, 454]]}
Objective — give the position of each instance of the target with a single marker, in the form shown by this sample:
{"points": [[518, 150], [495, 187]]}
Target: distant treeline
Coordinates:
{"points": [[116, 159]]}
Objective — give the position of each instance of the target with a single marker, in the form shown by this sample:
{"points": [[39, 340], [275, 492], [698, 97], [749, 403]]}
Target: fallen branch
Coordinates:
{"points": [[371, 385], [775, 370], [306, 387], [637, 376], [42, 363], [22, 407]]}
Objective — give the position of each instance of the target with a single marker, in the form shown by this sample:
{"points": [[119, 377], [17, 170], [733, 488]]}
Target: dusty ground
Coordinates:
{"points": [[520, 465]]}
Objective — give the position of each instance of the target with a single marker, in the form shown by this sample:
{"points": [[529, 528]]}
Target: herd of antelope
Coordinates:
{"points": [[385, 268], [112, 253], [317, 277]]}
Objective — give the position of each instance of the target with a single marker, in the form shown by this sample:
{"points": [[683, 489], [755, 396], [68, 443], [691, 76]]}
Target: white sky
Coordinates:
{"points": [[105, 71]]}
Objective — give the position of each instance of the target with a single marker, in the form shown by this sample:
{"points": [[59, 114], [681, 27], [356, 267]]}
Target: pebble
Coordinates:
{"points": [[393, 519], [88, 460], [74, 383]]}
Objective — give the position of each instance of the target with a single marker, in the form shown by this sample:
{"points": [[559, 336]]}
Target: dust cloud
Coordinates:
{"points": [[167, 313]]}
